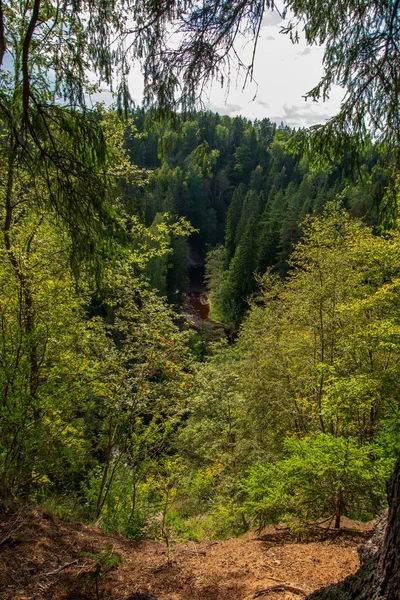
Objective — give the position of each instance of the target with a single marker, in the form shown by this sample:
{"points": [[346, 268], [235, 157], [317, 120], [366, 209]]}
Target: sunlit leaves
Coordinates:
{"points": [[321, 476], [322, 349]]}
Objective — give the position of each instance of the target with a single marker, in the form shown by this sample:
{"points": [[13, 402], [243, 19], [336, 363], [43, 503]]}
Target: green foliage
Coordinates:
{"points": [[238, 281], [69, 381], [215, 263], [101, 402], [322, 477], [388, 439], [311, 378], [67, 507], [101, 392], [267, 200], [105, 561], [207, 335], [51, 359], [316, 336]]}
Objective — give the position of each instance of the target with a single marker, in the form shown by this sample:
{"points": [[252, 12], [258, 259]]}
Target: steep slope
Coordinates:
{"points": [[42, 558]]}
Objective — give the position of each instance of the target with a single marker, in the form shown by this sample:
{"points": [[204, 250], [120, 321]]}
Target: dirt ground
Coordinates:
{"points": [[42, 558]]}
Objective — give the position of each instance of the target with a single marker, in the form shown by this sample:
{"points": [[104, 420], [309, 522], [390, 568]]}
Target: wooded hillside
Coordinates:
{"points": [[114, 410]]}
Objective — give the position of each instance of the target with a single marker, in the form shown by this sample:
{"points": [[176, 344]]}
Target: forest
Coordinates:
{"points": [[113, 407], [284, 407]]}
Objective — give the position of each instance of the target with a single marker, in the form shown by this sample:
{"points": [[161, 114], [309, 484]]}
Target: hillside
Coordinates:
{"points": [[42, 558]]}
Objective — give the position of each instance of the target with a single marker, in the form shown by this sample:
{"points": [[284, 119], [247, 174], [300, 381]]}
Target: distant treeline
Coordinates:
{"points": [[241, 186]]}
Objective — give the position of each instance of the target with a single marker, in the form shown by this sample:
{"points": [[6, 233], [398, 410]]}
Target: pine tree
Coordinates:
{"points": [[238, 281]]}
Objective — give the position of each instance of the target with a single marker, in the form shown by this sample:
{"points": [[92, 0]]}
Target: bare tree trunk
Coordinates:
{"points": [[379, 575], [339, 507]]}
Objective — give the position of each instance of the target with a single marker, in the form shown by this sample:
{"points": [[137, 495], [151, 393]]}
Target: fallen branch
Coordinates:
{"points": [[283, 587], [74, 562], [81, 568], [196, 552], [10, 534]]}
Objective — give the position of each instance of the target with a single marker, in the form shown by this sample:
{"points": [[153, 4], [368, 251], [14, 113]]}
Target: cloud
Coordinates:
{"points": [[305, 52], [224, 109], [271, 18], [302, 116], [295, 109], [282, 77]]}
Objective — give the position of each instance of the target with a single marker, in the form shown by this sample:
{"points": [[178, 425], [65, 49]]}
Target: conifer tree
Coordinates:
{"points": [[238, 281], [233, 217]]}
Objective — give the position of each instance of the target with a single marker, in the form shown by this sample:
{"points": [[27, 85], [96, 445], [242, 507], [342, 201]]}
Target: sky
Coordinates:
{"points": [[284, 72]]}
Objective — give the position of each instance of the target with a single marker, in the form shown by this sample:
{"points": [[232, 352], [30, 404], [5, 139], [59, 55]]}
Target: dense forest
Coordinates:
{"points": [[114, 410], [246, 191]]}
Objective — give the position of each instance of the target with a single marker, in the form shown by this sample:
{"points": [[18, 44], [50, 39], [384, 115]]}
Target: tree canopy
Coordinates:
{"points": [[362, 54], [52, 50]]}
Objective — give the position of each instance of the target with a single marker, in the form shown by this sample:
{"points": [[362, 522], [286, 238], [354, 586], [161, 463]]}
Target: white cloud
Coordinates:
{"points": [[283, 73], [225, 108], [271, 18]]}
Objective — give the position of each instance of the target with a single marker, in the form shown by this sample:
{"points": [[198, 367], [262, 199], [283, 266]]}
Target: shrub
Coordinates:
{"points": [[321, 477]]}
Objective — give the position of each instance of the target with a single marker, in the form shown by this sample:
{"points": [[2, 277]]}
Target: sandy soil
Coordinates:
{"points": [[41, 559]]}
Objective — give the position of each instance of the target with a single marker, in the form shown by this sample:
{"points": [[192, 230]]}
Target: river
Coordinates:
{"points": [[196, 307]]}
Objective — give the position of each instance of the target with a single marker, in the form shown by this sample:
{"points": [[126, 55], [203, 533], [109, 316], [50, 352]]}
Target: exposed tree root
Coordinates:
{"points": [[282, 587]]}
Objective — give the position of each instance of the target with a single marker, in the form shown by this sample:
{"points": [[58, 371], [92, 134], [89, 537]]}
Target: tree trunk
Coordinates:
{"points": [[339, 507], [379, 575]]}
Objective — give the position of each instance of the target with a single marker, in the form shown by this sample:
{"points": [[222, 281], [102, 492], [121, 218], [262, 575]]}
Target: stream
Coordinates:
{"points": [[196, 307]]}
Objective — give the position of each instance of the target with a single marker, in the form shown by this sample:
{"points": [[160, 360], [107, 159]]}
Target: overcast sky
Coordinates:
{"points": [[284, 73]]}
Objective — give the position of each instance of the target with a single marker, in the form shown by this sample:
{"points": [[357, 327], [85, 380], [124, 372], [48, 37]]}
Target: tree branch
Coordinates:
{"points": [[284, 587], [2, 37], [25, 57]]}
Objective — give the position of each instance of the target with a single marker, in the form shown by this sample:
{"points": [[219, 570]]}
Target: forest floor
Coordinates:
{"points": [[42, 558]]}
